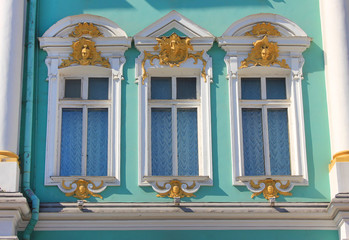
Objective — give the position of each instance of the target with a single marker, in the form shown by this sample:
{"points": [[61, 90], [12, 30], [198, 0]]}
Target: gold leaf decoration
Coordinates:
{"points": [[176, 190], [82, 191], [263, 29], [174, 50], [85, 53], [270, 190], [264, 53], [85, 28]]}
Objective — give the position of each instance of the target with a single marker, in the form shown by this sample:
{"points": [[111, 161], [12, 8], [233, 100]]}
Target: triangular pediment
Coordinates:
{"points": [[174, 22]]}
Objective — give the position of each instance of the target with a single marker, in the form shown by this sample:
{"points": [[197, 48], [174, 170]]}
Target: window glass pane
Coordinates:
{"points": [[186, 88], [72, 88], [252, 131], [276, 88], [187, 142], [250, 88], [98, 88], [97, 142], [161, 141], [278, 142], [71, 142], [161, 88]]}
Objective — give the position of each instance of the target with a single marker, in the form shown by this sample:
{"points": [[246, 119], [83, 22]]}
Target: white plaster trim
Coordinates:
{"points": [[283, 25], [66, 25], [174, 20]]}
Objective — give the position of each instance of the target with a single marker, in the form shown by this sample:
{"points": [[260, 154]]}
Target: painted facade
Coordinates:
{"points": [[93, 76]]}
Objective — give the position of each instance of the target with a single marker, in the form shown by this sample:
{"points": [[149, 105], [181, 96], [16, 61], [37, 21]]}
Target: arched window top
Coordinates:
{"points": [[286, 27], [66, 25]]}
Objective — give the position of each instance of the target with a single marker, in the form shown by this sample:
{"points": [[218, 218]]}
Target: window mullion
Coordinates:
{"points": [[266, 140], [84, 141], [174, 141]]}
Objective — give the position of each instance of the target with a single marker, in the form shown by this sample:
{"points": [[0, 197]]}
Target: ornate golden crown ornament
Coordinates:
{"points": [[85, 28], [174, 50], [84, 50], [85, 53], [176, 190], [270, 190], [263, 29], [264, 53], [82, 189]]}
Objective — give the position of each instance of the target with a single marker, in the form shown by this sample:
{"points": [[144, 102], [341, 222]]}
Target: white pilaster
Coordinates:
{"points": [[344, 230], [12, 19]]}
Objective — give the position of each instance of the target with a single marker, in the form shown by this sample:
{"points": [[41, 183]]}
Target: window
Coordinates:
{"points": [[84, 134], [266, 103], [265, 126], [84, 102], [174, 105]]}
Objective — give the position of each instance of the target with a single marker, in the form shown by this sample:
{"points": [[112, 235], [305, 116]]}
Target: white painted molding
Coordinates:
{"points": [[66, 25], [285, 26]]}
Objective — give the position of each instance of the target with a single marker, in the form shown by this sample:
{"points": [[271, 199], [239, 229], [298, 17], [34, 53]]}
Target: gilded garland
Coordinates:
{"points": [[264, 53], [270, 190], [263, 29], [85, 28], [85, 53], [176, 190], [82, 191], [173, 51]]}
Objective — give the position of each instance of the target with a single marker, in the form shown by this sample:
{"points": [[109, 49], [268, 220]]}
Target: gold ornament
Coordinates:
{"points": [[7, 156], [176, 190], [85, 28], [264, 53], [174, 50], [263, 29], [82, 191], [85, 53], [270, 190]]}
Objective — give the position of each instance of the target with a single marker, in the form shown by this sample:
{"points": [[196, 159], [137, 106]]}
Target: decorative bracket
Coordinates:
{"points": [[173, 52], [264, 53], [270, 188], [82, 189], [7, 156], [175, 189]]}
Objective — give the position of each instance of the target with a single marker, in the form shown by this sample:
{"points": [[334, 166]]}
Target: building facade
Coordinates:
{"points": [[147, 119]]}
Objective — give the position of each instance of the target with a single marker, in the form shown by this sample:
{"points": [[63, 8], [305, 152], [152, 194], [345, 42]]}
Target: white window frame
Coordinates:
{"points": [[85, 104], [201, 40], [174, 104], [292, 42], [112, 45]]}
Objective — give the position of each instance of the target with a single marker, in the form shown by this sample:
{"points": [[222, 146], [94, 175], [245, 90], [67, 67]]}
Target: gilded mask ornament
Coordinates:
{"points": [[270, 189], [173, 51], [264, 53], [85, 28], [263, 29], [176, 190], [85, 53], [82, 189]]}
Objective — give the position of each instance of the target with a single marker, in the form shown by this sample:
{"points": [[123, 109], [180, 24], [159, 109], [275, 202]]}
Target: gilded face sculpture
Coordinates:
{"points": [[265, 53], [85, 52]]}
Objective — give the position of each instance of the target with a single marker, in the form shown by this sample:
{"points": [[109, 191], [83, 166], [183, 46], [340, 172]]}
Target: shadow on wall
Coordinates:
{"points": [[208, 4]]}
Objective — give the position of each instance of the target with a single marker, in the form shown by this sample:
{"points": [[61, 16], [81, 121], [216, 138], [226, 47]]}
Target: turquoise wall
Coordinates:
{"points": [[186, 235], [215, 16]]}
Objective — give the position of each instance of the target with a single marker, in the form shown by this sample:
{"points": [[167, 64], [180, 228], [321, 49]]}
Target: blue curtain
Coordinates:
{"points": [[71, 142], [97, 142], [161, 141], [278, 142], [187, 142], [252, 131]]}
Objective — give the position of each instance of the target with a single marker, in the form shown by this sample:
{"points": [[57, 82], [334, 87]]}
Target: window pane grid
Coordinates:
{"points": [[265, 122], [94, 139], [182, 162]]}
